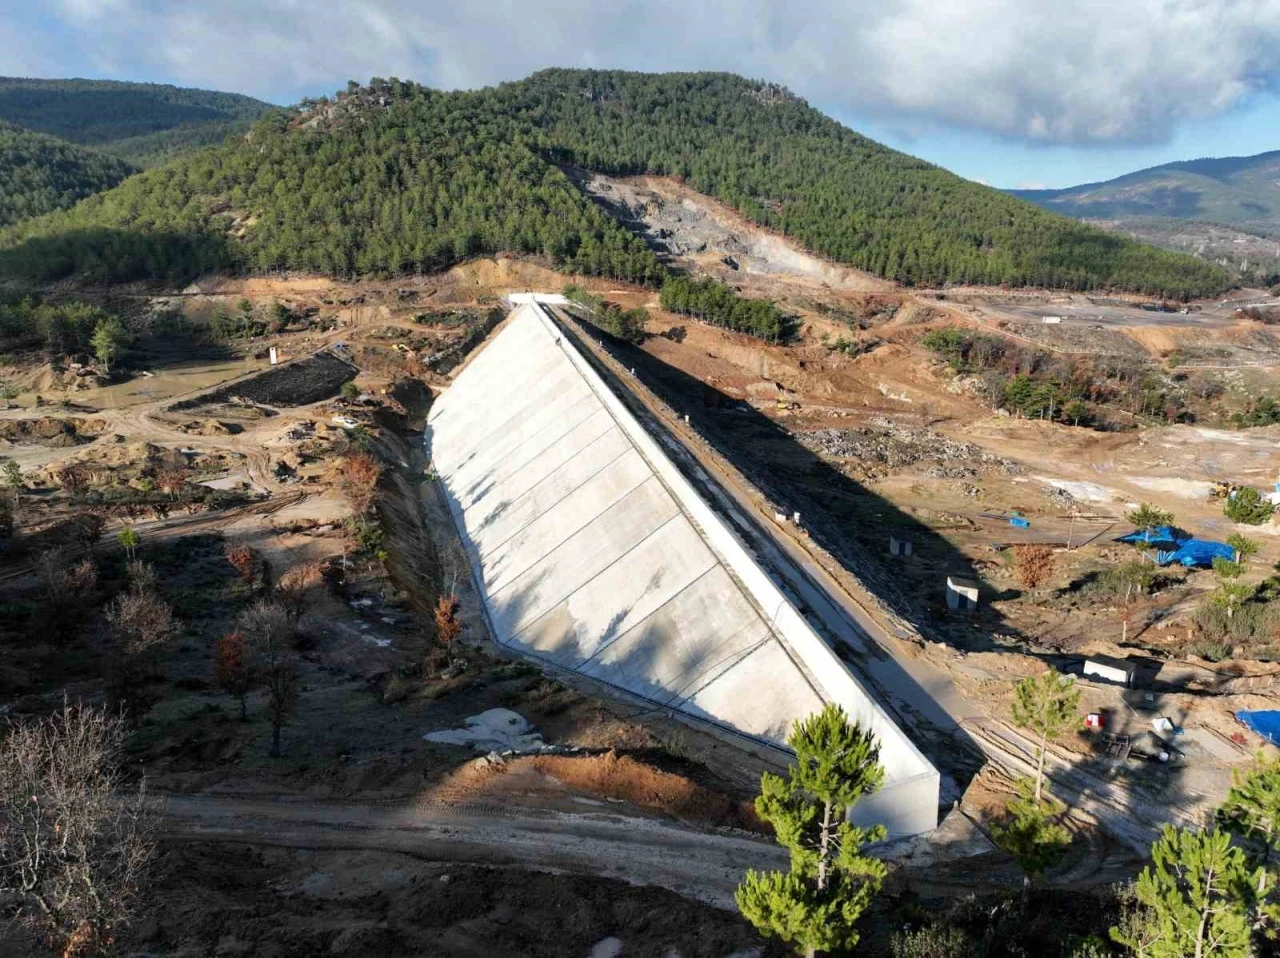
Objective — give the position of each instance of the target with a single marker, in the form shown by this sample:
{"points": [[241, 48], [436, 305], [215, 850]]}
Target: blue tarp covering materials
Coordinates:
{"points": [[1172, 545], [1197, 552], [1160, 534], [1266, 724]]}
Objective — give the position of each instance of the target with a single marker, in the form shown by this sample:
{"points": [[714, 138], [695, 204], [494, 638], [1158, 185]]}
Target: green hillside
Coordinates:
{"points": [[40, 174], [144, 123], [396, 178], [1239, 191]]}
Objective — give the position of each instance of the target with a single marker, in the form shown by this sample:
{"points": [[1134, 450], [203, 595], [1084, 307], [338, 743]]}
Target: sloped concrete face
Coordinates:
{"points": [[592, 552]]}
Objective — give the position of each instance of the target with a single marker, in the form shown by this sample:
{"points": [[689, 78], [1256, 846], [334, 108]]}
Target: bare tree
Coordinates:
{"points": [[270, 631], [66, 592], [236, 669], [141, 622], [75, 843], [356, 477], [171, 472], [295, 587]]}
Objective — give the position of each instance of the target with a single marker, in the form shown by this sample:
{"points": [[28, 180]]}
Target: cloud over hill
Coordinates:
{"points": [[1076, 72]]}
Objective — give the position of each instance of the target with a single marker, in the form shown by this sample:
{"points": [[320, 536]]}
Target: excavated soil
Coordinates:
{"points": [[609, 777], [50, 431]]}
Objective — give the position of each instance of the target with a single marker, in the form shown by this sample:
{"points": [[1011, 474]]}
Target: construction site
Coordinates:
{"points": [[663, 554]]}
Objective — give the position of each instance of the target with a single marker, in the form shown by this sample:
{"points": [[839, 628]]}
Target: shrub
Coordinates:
{"points": [[932, 941], [399, 687], [1247, 506], [1251, 624], [1130, 579], [1033, 565], [241, 559]]}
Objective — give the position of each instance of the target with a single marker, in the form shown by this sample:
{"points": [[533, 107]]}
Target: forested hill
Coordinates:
{"points": [[144, 123], [395, 177], [40, 174]]}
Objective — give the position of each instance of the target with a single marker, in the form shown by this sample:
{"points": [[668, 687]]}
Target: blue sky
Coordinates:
{"points": [[1010, 92], [1015, 163]]}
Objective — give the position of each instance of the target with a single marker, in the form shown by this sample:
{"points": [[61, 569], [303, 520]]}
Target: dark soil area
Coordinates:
{"points": [[242, 900], [295, 384], [477, 327]]}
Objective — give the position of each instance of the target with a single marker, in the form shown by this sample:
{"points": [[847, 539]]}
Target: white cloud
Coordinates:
{"points": [[22, 54], [1070, 72]]}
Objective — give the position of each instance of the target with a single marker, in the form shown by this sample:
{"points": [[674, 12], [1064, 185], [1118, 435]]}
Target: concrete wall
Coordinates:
{"points": [[594, 553]]}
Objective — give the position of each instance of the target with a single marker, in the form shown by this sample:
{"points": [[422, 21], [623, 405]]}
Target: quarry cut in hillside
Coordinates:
{"points": [[593, 553]]}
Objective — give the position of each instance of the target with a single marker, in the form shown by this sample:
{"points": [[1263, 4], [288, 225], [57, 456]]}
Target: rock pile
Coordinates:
{"points": [[885, 446]]}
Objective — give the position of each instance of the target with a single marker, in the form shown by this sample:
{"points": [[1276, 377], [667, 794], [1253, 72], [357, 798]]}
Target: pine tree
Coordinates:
{"points": [[1252, 813], [1046, 705], [816, 904], [1196, 895], [129, 541], [107, 341], [1147, 517], [1031, 832]]}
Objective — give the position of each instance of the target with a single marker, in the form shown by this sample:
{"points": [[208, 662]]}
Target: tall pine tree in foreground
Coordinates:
{"points": [[1194, 897], [1252, 813], [816, 904]]}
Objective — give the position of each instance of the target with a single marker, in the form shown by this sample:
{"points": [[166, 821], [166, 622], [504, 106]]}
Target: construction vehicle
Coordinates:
{"points": [[1221, 489], [786, 404]]}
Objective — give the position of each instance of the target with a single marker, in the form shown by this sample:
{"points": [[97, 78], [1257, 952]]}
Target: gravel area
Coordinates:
{"points": [[884, 446]]}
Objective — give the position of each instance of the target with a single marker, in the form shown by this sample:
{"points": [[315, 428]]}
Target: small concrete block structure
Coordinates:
{"points": [[593, 553], [898, 546], [962, 594], [1110, 669]]}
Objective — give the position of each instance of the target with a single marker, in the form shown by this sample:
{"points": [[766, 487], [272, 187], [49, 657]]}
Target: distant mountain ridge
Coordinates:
{"points": [[1239, 191], [1225, 210], [143, 123], [395, 177]]}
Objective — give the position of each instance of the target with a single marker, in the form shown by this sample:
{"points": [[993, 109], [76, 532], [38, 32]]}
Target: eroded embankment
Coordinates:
{"points": [[413, 562]]}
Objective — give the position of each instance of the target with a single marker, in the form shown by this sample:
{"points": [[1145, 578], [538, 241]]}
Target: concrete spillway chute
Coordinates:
{"points": [[592, 552]]}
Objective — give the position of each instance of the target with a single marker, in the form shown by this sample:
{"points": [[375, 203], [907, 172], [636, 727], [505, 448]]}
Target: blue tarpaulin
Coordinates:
{"points": [[1173, 545], [1196, 552], [1266, 724], [1160, 534]]}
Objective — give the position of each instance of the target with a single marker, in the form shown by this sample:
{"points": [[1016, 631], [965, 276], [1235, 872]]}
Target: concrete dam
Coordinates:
{"points": [[593, 553]]}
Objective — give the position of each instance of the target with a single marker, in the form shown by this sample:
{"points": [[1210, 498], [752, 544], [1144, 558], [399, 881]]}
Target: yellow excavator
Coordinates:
{"points": [[1221, 489]]}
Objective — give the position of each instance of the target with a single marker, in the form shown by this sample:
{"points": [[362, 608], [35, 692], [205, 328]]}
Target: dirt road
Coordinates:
{"points": [[700, 865]]}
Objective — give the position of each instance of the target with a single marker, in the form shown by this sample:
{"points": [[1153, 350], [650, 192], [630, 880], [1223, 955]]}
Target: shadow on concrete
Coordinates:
{"points": [[840, 514]]}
